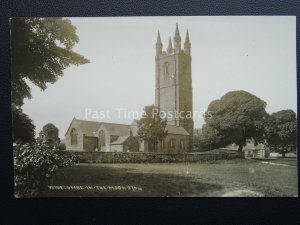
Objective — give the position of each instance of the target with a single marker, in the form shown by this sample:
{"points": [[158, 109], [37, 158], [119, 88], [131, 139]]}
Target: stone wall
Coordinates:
{"points": [[143, 157]]}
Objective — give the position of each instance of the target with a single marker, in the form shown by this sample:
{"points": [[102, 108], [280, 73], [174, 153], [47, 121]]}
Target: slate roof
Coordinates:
{"points": [[172, 129], [117, 129], [120, 140], [89, 127]]}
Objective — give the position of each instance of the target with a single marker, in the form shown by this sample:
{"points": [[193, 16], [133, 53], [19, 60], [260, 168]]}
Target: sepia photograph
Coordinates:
{"points": [[169, 106]]}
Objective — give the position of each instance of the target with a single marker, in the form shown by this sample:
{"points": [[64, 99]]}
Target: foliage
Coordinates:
{"points": [[236, 117], [132, 144], [62, 146], [210, 138], [152, 126], [41, 49], [50, 133], [35, 164], [23, 127], [280, 132]]}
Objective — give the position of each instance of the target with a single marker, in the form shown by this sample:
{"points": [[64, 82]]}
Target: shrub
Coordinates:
{"points": [[35, 165]]}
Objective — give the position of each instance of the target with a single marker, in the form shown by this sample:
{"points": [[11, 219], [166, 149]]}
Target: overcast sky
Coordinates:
{"points": [[255, 54]]}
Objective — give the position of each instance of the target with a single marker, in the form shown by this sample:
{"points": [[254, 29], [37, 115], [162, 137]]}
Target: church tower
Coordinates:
{"points": [[173, 85]]}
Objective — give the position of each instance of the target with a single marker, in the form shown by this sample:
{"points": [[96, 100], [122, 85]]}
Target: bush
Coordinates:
{"points": [[35, 165]]}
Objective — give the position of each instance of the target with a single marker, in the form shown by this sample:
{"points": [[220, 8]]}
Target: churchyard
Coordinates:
{"points": [[236, 177]]}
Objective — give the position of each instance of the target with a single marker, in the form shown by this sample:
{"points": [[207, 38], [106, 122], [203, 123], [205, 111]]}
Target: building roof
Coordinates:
{"points": [[90, 127], [120, 140], [172, 129], [117, 129]]}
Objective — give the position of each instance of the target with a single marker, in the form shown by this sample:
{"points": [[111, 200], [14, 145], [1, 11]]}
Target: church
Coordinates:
{"points": [[173, 97]]}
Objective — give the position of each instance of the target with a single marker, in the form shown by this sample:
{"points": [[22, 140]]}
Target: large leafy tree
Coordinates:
{"points": [[50, 134], [23, 127], [152, 127], [280, 132], [236, 117], [41, 48]]}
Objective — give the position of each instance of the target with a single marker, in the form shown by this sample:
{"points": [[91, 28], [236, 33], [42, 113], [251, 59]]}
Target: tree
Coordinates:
{"points": [[41, 49], [236, 117], [23, 127], [50, 133], [210, 138], [152, 127], [280, 131], [35, 165]]}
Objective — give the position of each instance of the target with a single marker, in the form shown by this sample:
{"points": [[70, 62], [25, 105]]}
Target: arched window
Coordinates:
{"points": [[101, 139], [162, 144], [166, 69], [172, 143], [73, 137], [181, 144], [184, 68]]}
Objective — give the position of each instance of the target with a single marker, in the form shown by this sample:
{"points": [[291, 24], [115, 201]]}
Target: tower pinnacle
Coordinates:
{"points": [[177, 30], [187, 43], [187, 37], [158, 38], [177, 40], [170, 48], [159, 45]]}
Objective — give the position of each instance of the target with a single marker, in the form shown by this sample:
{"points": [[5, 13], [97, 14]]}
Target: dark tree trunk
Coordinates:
{"points": [[283, 155], [240, 148]]}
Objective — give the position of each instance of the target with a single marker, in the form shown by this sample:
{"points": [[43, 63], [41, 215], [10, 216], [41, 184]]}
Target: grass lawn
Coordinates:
{"points": [[239, 177], [286, 161]]}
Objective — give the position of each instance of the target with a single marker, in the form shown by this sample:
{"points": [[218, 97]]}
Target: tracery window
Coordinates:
{"points": [[101, 139], [166, 69], [74, 137]]}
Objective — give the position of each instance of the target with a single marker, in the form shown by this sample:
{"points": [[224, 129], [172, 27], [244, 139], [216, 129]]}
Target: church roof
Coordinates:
{"points": [[120, 140], [172, 129], [117, 129], [122, 130], [89, 127]]}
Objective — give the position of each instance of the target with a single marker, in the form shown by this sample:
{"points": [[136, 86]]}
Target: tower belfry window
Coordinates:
{"points": [[166, 69]]}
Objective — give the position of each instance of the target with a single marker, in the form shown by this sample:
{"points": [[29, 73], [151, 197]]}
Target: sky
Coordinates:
{"points": [[252, 53]]}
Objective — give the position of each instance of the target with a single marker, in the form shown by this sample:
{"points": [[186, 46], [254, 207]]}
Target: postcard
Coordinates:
{"points": [[198, 106]]}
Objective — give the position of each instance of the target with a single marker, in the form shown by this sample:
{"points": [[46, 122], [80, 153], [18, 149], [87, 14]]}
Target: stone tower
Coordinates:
{"points": [[173, 86]]}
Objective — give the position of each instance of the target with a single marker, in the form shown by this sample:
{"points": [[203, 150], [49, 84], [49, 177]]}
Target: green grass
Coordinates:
{"points": [[286, 161], [178, 179]]}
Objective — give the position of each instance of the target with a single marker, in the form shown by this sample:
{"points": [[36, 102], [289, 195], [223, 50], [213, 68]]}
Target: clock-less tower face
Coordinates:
{"points": [[173, 91]]}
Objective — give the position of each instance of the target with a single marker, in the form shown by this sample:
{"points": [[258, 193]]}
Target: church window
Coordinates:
{"points": [[101, 140], [166, 69], [172, 143], [73, 137], [184, 68], [181, 144]]}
